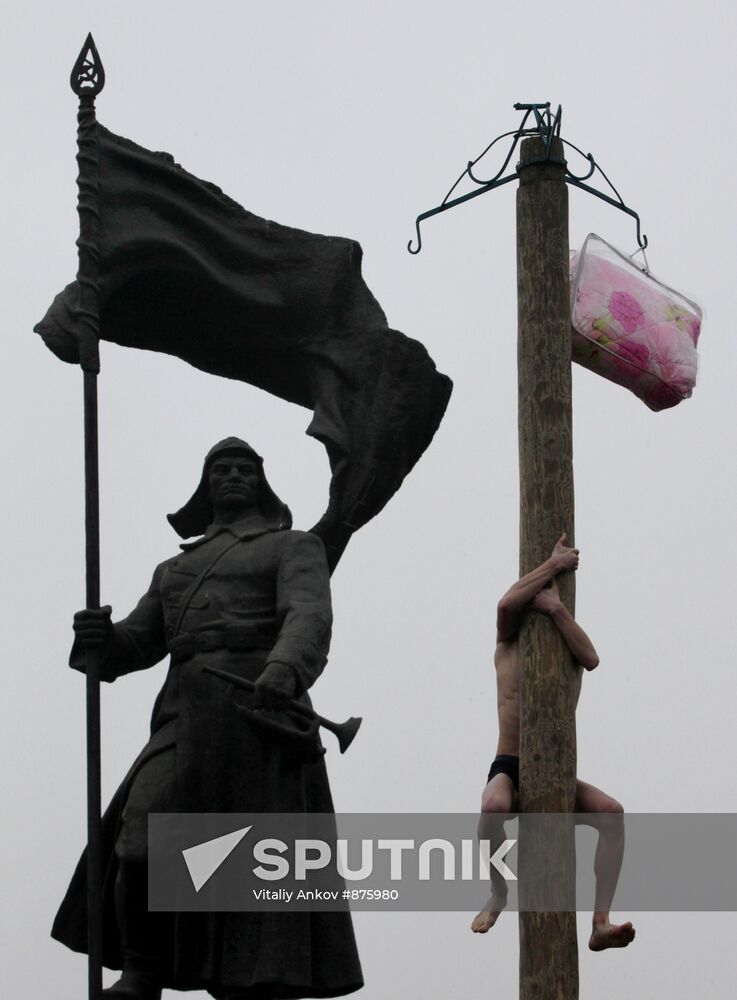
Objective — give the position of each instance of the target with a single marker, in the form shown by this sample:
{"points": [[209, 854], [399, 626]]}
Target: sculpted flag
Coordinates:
{"points": [[185, 270]]}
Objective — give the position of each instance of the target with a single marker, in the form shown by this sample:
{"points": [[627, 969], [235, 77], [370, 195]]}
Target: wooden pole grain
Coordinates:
{"points": [[548, 947]]}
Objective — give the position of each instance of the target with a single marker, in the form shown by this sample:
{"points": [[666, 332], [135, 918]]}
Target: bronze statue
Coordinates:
{"points": [[169, 263], [251, 597]]}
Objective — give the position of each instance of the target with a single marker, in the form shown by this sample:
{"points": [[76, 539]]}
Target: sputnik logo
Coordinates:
{"points": [[203, 860]]}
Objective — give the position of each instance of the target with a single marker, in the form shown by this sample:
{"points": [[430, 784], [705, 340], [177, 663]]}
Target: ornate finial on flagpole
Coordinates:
{"points": [[87, 80], [88, 73]]}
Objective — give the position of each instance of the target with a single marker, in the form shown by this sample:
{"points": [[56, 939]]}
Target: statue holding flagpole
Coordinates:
{"points": [[169, 263], [251, 597]]}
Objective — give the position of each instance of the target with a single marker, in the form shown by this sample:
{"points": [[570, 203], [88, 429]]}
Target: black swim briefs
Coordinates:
{"points": [[506, 763]]}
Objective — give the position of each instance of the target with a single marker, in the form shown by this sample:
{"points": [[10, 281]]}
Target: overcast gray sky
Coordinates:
{"points": [[349, 118]]}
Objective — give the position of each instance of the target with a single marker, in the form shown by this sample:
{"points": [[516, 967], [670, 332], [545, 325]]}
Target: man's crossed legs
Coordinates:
{"points": [[602, 812]]}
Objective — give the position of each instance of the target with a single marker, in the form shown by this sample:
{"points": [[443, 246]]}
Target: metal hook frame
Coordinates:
{"points": [[546, 126]]}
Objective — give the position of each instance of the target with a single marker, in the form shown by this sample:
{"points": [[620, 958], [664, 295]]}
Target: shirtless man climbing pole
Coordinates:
{"points": [[538, 591]]}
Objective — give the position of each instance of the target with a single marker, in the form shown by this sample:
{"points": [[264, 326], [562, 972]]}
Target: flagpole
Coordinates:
{"points": [[87, 80]]}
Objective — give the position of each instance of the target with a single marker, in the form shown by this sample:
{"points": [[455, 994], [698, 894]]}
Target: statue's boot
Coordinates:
{"points": [[133, 985], [140, 934]]}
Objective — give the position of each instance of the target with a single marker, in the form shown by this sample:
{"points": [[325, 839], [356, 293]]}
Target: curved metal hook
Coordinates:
{"points": [[491, 180], [419, 238], [586, 156], [617, 201], [446, 205]]}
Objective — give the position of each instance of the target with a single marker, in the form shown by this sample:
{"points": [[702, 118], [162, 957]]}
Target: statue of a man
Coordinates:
{"points": [[252, 597]]}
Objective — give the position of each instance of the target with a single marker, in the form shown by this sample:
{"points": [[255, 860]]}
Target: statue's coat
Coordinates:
{"points": [[272, 585]]}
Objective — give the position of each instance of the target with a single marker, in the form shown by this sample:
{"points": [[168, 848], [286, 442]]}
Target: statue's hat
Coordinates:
{"points": [[194, 517]]}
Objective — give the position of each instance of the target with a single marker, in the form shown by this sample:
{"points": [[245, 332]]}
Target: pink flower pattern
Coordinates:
{"points": [[625, 308], [632, 358]]}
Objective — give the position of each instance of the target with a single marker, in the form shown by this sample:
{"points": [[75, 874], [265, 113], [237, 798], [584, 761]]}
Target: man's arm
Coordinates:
{"points": [[549, 603], [519, 595], [135, 643], [303, 603]]}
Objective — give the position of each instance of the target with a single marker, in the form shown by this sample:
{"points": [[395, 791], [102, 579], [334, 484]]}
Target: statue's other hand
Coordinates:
{"points": [[276, 685], [93, 627]]}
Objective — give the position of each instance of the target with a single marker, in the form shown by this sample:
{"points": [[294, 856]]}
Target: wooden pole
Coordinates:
{"points": [[548, 947]]}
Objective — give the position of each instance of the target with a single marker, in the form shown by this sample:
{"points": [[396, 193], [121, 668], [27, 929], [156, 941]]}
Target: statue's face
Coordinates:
{"points": [[233, 480]]}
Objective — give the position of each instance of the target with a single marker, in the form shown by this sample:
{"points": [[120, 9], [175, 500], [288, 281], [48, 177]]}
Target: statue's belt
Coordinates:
{"points": [[236, 638]]}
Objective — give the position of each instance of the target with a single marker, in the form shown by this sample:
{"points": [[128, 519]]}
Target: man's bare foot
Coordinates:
{"points": [[486, 918], [606, 935]]}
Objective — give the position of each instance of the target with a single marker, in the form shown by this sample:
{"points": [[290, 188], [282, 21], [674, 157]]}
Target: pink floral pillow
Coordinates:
{"points": [[630, 328]]}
